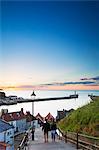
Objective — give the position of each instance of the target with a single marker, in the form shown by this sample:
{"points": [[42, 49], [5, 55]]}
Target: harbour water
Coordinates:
{"points": [[49, 106]]}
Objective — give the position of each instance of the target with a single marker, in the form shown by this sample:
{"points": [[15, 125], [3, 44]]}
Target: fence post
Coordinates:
{"points": [[33, 130], [59, 134], [66, 137], [77, 140]]}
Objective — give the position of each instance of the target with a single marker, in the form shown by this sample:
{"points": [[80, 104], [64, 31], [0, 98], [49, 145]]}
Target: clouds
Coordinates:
{"points": [[70, 83], [91, 83], [94, 78], [83, 81]]}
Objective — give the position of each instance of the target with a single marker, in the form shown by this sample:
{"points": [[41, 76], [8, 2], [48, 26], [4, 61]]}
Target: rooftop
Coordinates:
{"points": [[13, 116], [49, 117], [38, 116], [29, 117]]}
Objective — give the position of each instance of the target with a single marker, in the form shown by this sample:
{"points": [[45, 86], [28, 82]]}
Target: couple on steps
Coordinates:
{"points": [[47, 127]]}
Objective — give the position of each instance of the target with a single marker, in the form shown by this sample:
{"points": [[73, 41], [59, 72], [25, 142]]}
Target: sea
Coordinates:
{"points": [[50, 106]]}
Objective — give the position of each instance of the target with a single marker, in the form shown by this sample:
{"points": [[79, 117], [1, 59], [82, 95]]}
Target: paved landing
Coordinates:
{"points": [[39, 144]]}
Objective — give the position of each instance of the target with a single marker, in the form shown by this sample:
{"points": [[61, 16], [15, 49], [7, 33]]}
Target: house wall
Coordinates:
{"points": [[10, 139], [2, 147], [61, 114], [21, 125], [31, 124], [36, 124], [14, 124], [28, 125], [9, 136], [8, 148], [2, 137]]}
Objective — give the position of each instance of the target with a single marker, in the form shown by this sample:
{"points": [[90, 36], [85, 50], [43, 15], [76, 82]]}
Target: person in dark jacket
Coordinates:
{"points": [[53, 130], [46, 129]]}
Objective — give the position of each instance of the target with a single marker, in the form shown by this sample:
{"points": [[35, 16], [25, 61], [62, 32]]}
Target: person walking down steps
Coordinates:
{"points": [[46, 129], [53, 131]]}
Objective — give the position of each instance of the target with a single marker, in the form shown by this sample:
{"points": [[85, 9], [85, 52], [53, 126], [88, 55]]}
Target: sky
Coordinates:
{"points": [[49, 44]]}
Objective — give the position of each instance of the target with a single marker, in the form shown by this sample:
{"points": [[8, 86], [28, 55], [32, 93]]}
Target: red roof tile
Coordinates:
{"points": [[49, 117], [13, 116], [38, 116]]}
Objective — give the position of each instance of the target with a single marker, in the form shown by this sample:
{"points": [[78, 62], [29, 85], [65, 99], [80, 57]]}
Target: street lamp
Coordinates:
{"points": [[33, 96]]}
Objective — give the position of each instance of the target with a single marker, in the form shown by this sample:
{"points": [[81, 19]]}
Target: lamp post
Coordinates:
{"points": [[33, 95], [33, 128]]}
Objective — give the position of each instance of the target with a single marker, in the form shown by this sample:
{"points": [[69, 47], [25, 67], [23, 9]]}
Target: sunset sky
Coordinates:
{"points": [[49, 45]]}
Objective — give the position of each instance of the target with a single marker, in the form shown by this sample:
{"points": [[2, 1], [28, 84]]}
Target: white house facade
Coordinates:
{"points": [[6, 136]]}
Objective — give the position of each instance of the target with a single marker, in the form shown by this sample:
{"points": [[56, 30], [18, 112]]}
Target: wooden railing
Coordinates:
{"points": [[81, 140], [23, 144]]}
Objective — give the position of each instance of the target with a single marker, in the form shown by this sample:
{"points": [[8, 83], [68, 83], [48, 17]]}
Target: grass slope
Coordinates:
{"points": [[84, 120]]}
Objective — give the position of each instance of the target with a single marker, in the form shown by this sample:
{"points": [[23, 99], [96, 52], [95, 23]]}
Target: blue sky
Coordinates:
{"points": [[45, 42]]}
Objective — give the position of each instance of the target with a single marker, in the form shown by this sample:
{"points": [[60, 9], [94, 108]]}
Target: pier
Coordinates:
{"points": [[16, 101]]}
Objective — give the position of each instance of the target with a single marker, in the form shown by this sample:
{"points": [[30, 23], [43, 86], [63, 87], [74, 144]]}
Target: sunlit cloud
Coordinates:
{"points": [[84, 84]]}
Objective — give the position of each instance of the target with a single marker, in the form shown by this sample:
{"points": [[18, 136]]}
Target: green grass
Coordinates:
{"points": [[84, 120]]}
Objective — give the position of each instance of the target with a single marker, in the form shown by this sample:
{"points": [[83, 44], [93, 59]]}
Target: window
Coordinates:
{"points": [[8, 133]]}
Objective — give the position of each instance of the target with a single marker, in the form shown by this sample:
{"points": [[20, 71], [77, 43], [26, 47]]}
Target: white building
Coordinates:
{"points": [[17, 119], [30, 120], [6, 136]]}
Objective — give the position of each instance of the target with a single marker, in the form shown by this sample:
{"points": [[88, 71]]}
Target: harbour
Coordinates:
{"points": [[44, 107]]}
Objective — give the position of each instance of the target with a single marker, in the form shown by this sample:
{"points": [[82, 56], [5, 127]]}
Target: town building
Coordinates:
{"points": [[63, 113], [30, 120], [6, 136], [49, 117], [40, 120], [17, 119], [2, 95]]}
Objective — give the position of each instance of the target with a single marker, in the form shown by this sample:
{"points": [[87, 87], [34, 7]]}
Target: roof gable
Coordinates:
{"points": [[38, 116], [49, 117]]}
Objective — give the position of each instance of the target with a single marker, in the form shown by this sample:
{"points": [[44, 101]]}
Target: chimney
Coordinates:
{"points": [[3, 111], [22, 110], [28, 112]]}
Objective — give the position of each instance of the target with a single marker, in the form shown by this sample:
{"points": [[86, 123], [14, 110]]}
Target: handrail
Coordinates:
{"points": [[24, 142], [80, 140], [91, 137]]}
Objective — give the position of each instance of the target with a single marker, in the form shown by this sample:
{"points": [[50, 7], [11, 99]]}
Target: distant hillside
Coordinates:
{"points": [[84, 119]]}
